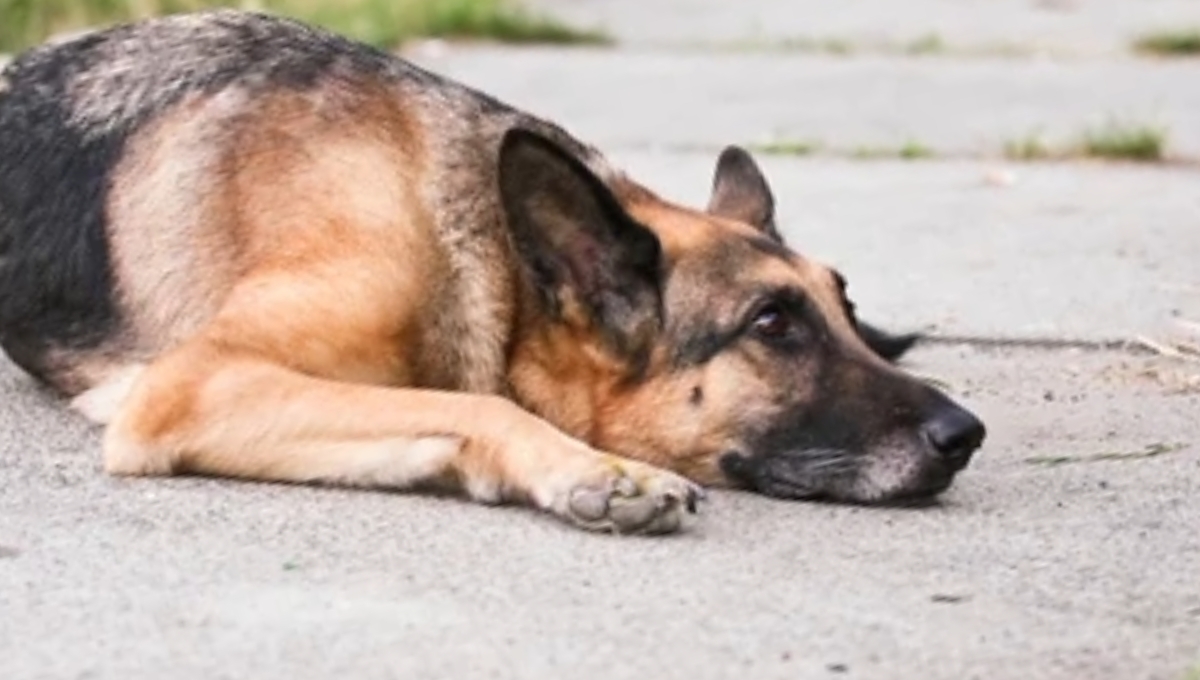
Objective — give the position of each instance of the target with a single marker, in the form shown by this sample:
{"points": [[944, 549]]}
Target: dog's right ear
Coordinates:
{"points": [[581, 249], [740, 192]]}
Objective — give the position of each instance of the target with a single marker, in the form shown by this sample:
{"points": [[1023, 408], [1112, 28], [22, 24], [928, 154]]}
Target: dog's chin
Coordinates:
{"points": [[922, 493], [794, 477], [851, 493]]}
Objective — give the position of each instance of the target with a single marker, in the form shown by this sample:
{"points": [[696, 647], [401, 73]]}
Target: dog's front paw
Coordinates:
{"points": [[627, 497]]}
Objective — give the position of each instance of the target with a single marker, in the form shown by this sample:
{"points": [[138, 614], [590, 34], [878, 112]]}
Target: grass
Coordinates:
{"points": [[913, 150], [910, 150], [383, 23], [866, 152], [1027, 148], [931, 43], [1110, 141], [791, 44], [1124, 141], [785, 147], [838, 46], [923, 45], [1173, 43], [1114, 141]]}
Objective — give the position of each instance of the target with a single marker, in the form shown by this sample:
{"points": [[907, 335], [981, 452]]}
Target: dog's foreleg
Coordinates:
{"points": [[199, 411]]}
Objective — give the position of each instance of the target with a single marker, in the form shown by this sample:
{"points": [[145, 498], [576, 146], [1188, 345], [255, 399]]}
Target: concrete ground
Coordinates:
{"points": [[1069, 549]]}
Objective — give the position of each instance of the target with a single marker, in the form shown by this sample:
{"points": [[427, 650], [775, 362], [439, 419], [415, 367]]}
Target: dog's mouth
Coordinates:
{"points": [[839, 476], [809, 475]]}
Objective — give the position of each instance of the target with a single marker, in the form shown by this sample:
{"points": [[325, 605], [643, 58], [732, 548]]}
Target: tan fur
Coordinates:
{"points": [[161, 251]]}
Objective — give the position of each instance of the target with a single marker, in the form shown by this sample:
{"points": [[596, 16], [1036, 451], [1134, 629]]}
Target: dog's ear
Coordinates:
{"points": [[582, 250], [887, 345], [740, 192]]}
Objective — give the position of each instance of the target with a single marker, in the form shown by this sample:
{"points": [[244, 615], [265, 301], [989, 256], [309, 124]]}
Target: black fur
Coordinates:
{"points": [[55, 279], [740, 192], [698, 343], [886, 345], [817, 452], [572, 233]]}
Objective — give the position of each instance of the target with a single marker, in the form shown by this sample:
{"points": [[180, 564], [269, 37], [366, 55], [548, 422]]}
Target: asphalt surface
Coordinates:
{"points": [[1069, 549]]}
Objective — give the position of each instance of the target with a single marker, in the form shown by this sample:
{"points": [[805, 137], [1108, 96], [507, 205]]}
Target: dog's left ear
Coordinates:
{"points": [[740, 192], [580, 247], [887, 345]]}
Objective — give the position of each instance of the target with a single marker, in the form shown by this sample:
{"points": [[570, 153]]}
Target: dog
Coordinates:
{"points": [[255, 249]]}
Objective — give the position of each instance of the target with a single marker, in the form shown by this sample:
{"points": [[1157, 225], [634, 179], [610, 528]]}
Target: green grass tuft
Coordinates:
{"points": [[1174, 43], [786, 148], [931, 43], [387, 23], [1027, 148], [913, 150], [383, 23], [826, 45], [909, 150], [1120, 141]]}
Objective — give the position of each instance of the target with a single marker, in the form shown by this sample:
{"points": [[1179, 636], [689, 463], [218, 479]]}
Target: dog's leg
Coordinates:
{"points": [[199, 410]]}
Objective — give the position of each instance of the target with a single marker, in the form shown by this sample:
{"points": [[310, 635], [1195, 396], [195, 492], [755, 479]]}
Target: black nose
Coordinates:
{"points": [[955, 433]]}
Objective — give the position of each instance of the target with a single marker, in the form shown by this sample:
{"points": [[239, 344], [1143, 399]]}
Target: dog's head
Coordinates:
{"points": [[700, 342]]}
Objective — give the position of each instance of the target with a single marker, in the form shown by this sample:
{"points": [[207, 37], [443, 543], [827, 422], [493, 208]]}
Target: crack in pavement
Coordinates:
{"points": [[1131, 346]]}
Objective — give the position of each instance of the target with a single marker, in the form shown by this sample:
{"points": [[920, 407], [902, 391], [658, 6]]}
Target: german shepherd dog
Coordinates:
{"points": [[258, 250]]}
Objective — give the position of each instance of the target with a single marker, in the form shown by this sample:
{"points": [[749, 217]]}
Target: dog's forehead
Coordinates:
{"points": [[736, 257], [726, 259]]}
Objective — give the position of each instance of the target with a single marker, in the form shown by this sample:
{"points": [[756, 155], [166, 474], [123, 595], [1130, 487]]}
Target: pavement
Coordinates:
{"points": [[1062, 297]]}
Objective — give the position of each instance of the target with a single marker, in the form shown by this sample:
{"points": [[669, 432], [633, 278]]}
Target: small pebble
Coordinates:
{"points": [[944, 598], [999, 177]]}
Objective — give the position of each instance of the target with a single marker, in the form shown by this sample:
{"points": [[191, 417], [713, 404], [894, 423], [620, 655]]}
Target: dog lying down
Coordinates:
{"points": [[258, 250]]}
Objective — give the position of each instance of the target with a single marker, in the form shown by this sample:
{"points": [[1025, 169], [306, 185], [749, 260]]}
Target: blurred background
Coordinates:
{"points": [[1021, 79]]}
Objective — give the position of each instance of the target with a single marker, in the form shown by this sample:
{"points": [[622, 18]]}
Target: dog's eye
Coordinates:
{"points": [[770, 322]]}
